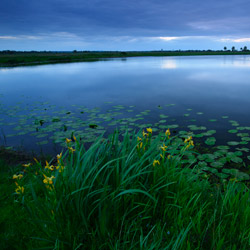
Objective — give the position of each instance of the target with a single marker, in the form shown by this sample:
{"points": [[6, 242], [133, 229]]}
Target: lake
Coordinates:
{"points": [[209, 95]]}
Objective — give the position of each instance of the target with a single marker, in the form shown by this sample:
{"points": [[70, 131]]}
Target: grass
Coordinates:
{"points": [[8, 59], [123, 193]]}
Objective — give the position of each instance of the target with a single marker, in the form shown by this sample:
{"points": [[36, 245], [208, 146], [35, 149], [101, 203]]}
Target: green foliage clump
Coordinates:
{"points": [[131, 193]]}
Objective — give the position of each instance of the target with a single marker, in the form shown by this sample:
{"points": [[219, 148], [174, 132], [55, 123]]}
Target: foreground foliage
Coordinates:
{"points": [[130, 193]]}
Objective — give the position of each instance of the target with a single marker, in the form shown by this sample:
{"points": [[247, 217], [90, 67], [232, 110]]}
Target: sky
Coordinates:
{"points": [[125, 25]]}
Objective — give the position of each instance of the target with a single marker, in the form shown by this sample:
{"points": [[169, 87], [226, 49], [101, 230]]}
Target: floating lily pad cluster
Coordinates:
{"points": [[50, 124]]}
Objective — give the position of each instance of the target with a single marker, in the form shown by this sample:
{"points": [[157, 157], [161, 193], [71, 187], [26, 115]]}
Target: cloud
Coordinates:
{"points": [[235, 40], [223, 25], [8, 37], [61, 35], [168, 38]]}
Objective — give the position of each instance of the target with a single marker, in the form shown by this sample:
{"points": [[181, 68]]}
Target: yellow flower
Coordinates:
{"points": [[49, 187], [20, 176], [74, 138], [27, 165], [156, 162], [59, 156], [164, 147], [48, 180], [68, 140], [161, 156], [149, 130], [188, 139], [144, 134], [191, 143], [36, 160], [61, 168], [49, 167], [167, 133], [139, 138], [71, 150], [139, 145], [19, 190]]}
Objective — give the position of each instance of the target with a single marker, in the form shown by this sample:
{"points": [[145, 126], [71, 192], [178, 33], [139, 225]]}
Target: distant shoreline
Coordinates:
{"points": [[13, 58]]}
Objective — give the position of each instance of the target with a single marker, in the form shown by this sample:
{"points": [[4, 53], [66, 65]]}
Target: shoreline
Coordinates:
{"points": [[15, 59]]}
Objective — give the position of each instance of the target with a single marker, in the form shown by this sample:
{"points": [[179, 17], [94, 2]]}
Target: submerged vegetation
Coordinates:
{"points": [[13, 58], [134, 192]]}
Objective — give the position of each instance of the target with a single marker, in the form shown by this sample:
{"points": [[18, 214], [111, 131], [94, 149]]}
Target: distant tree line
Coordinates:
{"points": [[233, 49]]}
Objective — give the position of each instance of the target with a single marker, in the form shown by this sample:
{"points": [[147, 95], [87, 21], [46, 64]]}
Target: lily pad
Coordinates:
{"points": [[210, 141], [217, 164], [233, 143], [232, 131]]}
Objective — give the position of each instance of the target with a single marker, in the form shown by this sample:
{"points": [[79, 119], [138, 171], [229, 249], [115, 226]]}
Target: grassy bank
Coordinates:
{"points": [[132, 193], [9, 59]]}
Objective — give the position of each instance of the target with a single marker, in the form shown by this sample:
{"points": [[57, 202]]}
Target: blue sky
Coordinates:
{"points": [[124, 24]]}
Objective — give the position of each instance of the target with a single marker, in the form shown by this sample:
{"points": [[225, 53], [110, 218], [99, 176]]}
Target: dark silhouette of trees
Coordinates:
{"points": [[233, 48], [225, 48]]}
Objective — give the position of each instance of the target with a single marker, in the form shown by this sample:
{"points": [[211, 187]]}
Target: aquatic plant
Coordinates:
{"points": [[134, 192]]}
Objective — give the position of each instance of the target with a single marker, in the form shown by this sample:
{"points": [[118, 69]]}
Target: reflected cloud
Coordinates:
{"points": [[200, 76], [245, 64], [169, 64]]}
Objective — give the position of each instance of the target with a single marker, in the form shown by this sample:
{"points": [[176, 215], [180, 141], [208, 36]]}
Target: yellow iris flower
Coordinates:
{"points": [[49, 167], [68, 140], [167, 133], [144, 134], [188, 139], [20, 176], [27, 165], [149, 130], [59, 156], [19, 190], [48, 180], [156, 162], [71, 150]]}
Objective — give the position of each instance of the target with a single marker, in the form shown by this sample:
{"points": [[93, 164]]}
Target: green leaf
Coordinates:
{"points": [[236, 159], [232, 131], [217, 164], [210, 141], [233, 143]]}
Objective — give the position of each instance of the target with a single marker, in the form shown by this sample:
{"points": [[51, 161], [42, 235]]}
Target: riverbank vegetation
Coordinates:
{"points": [[130, 192], [14, 58]]}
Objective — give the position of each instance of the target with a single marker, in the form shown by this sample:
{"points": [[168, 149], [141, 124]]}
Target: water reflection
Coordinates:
{"points": [[169, 64], [217, 85], [207, 62]]}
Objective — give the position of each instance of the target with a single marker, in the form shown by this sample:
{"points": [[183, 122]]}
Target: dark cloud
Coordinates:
{"points": [[85, 20], [130, 17]]}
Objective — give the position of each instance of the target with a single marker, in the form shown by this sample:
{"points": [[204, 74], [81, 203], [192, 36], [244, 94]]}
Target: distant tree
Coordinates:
{"points": [[241, 49], [225, 48], [75, 51], [233, 48], [245, 48]]}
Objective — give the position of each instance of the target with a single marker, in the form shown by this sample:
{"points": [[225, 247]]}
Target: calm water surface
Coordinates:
{"points": [[214, 85]]}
